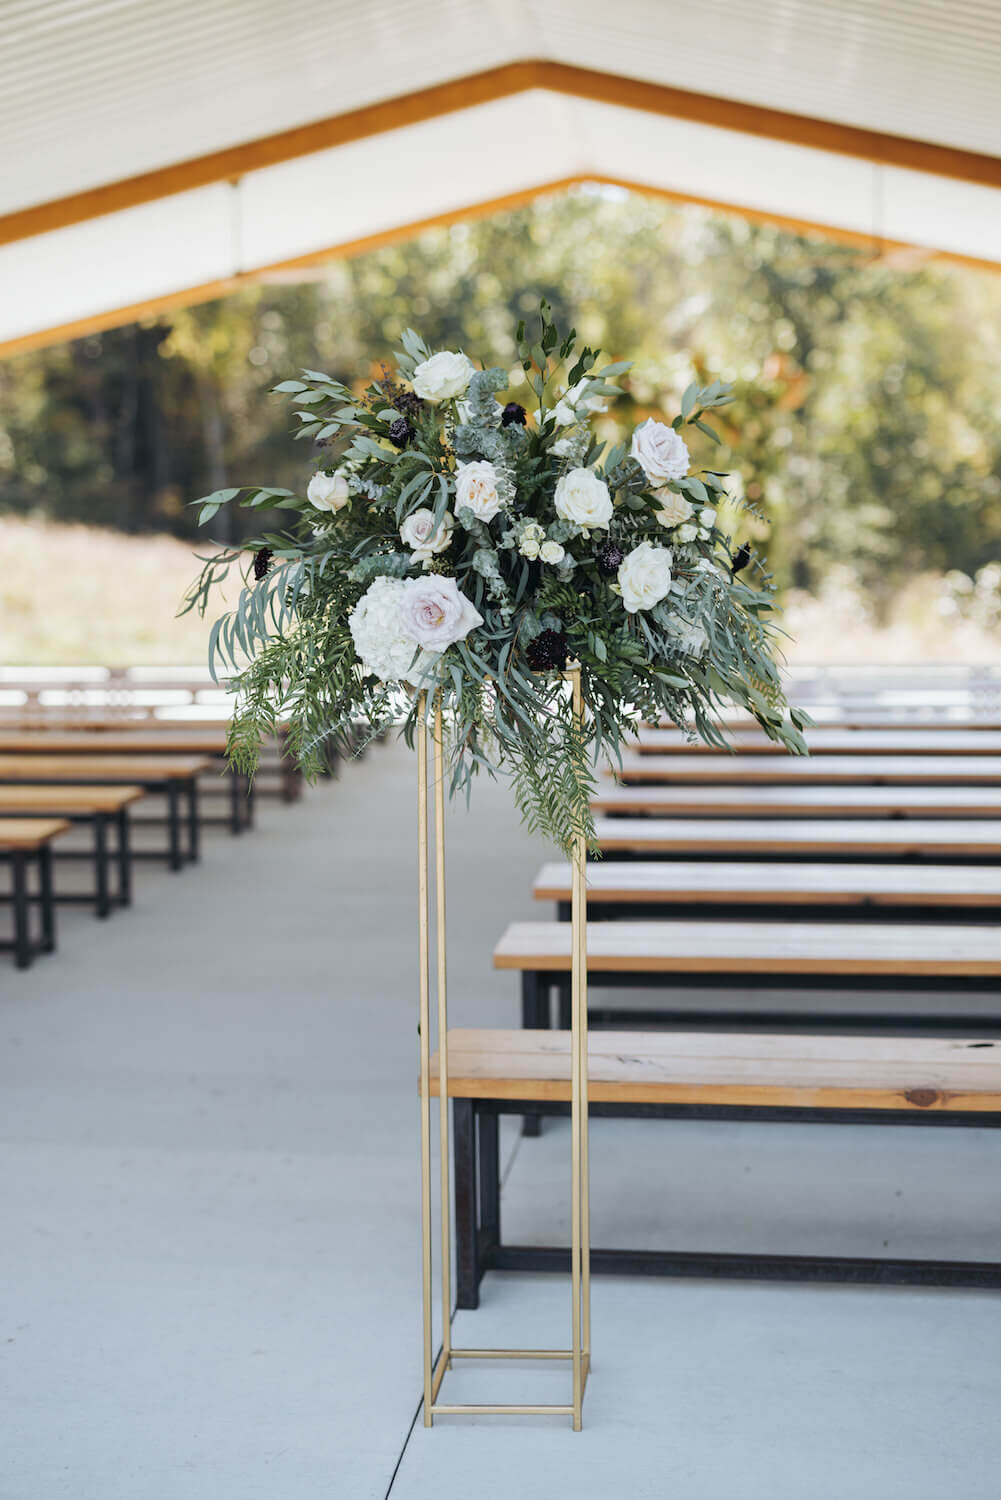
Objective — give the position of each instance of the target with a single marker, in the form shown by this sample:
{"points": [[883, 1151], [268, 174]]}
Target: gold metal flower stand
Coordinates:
{"points": [[579, 1353]]}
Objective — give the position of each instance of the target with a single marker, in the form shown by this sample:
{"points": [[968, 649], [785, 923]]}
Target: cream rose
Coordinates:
{"points": [[552, 553], [707, 517], [442, 377], [686, 533], [476, 487], [328, 491], [644, 576], [582, 497], [435, 613], [425, 539], [659, 451], [674, 510]]}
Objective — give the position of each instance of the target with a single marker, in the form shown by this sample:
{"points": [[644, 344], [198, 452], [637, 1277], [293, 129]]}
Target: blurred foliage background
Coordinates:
{"points": [[867, 425]]}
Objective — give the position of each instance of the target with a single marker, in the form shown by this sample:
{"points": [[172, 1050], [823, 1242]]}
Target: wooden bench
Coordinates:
{"points": [[878, 1080], [757, 838], [811, 891], [799, 770], [139, 741], [885, 957], [799, 801], [25, 842], [105, 808], [176, 777], [827, 741]]}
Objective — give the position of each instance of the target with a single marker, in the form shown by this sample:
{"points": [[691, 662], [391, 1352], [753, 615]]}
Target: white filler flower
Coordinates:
{"points": [[582, 497], [328, 491], [384, 645], [645, 576], [420, 534], [675, 509], [442, 377], [659, 451], [476, 487], [686, 533], [436, 614], [574, 405]]}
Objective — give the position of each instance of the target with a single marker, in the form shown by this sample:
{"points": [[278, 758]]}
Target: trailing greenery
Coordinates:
{"points": [[455, 544]]}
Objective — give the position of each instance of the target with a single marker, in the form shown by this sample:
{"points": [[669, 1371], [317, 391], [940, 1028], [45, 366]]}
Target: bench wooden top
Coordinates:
{"points": [[667, 947], [704, 881], [795, 801], [826, 741], [790, 835], [820, 1072], [30, 833], [833, 717], [68, 799], [181, 741], [801, 770], [120, 768]]}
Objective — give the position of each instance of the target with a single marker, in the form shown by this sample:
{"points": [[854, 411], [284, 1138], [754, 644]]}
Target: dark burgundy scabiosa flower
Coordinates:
{"points": [[262, 562], [400, 432], [547, 652], [513, 413], [741, 558], [609, 557], [409, 403]]}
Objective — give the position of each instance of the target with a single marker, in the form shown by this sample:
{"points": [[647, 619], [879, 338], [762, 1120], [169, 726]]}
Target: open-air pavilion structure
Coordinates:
{"points": [[166, 152], [209, 1273]]}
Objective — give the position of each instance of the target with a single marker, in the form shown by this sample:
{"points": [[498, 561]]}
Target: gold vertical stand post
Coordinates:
{"points": [[579, 1353]]}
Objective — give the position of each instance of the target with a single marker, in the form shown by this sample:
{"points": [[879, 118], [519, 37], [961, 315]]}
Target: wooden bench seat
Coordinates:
{"points": [[175, 776], [859, 958], [645, 800], [819, 838], [633, 1073], [106, 809], [828, 741], [27, 842], [615, 887], [779, 769]]}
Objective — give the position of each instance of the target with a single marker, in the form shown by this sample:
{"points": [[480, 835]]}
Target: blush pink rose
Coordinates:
{"points": [[436, 613]]}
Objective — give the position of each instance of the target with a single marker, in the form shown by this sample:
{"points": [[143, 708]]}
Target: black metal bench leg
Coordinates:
{"points": [[534, 1017], [191, 794], [19, 893], [489, 1178], [235, 810], [291, 779], [175, 858], [47, 904], [102, 898], [467, 1257], [566, 1005], [249, 800], [124, 859]]}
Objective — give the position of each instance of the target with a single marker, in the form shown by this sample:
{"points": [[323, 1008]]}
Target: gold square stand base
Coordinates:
{"points": [[488, 1409]]}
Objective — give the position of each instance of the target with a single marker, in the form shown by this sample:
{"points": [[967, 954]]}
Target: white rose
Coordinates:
{"points": [[705, 566], [529, 548], [707, 517], [686, 533], [419, 533], [384, 645], [644, 576], [534, 531], [328, 491], [582, 497], [674, 510], [476, 487], [552, 552], [442, 376], [436, 614], [562, 447], [659, 451], [573, 405]]}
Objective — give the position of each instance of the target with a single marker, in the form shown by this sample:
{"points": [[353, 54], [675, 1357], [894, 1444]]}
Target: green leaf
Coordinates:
{"points": [[688, 400]]}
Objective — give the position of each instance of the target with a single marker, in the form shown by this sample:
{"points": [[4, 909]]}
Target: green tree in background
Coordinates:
{"points": [[870, 440]]}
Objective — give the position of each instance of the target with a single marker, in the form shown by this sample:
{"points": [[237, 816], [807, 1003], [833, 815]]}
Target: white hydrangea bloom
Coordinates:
{"points": [[384, 645]]}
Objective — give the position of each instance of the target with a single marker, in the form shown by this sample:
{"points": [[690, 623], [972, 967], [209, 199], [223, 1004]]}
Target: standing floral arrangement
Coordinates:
{"points": [[452, 544]]}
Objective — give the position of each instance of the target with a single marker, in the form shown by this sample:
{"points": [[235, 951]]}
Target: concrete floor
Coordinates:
{"points": [[209, 1279]]}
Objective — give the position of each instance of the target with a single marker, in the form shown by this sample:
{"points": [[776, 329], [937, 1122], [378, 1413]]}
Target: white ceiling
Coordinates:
{"points": [[96, 90]]}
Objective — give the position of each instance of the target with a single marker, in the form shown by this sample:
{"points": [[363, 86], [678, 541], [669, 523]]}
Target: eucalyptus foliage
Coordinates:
{"points": [[708, 644]]}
